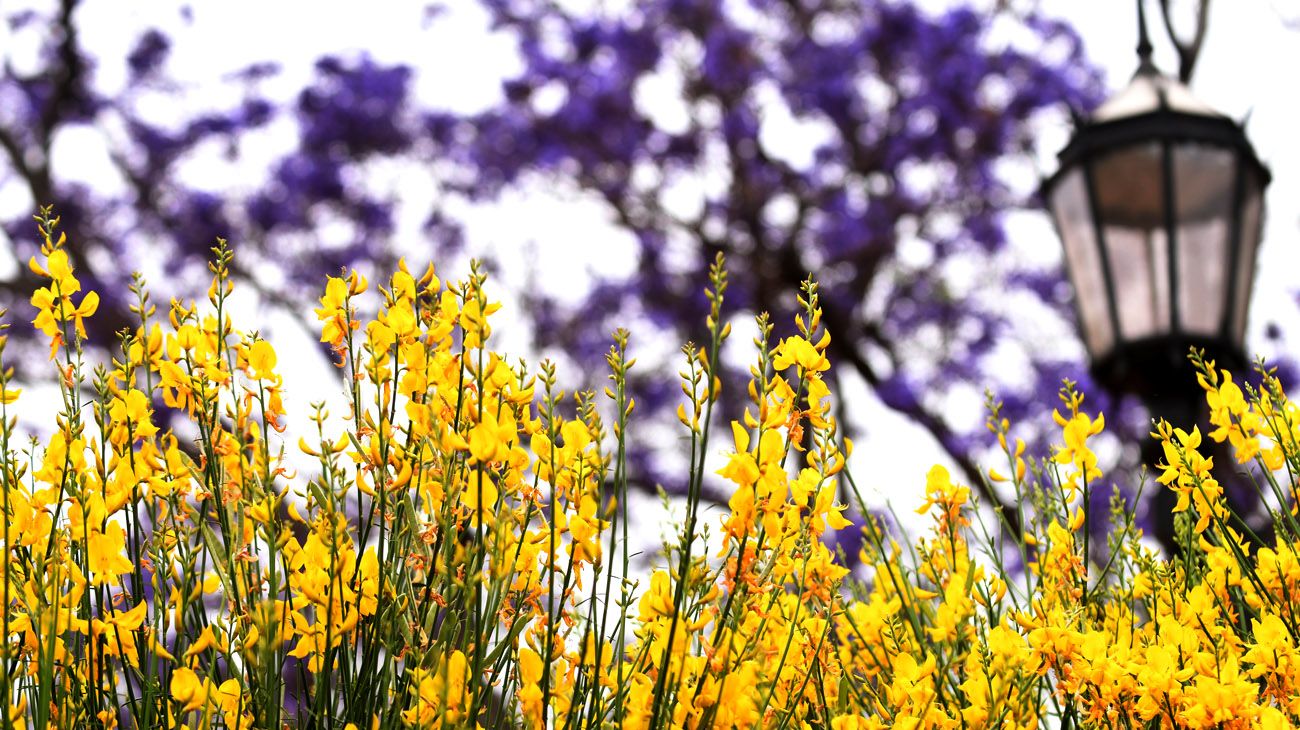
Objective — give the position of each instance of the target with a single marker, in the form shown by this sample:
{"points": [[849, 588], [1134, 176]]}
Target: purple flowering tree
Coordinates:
{"points": [[877, 145], [303, 214]]}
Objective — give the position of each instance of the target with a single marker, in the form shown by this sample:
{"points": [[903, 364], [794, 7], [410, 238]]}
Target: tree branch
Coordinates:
{"points": [[14, 151], [67, 76], [845, 352]]}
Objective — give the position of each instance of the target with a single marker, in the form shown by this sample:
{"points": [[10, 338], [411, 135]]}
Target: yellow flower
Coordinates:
{"points": [[334, 310], [118, 632], [106, 550], [187, 688], [261, 360], [441, 699], [1076, 430], [583, 528], [491, 439], [1188, 473], [658, 600], [131, 416], [530, 691], [369, 582], [1272, 651], [948, 497], [58, 270], [52, 311], [737, 706], [474, 320], [1232, 416], [206, 640], [1222, 698], [799, 351]]}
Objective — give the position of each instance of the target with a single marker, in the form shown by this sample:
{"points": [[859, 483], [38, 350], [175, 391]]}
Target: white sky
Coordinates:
{"points": [[1243, 69]]}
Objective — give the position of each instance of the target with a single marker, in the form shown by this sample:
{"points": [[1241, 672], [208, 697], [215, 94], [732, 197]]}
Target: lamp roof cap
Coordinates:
{"points": [[1151, 91]]}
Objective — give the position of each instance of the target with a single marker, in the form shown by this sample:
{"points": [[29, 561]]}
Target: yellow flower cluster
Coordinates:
{"points": [[457, 555]]}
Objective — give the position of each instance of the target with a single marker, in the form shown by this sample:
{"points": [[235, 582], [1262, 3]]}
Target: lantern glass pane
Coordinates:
{"points": [[1139, 264], [1204, 179], [1129, 189], [1069, 202], [1251, 220]]}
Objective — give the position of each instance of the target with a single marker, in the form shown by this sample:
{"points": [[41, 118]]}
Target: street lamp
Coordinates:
{"points": [[1159, 205]]}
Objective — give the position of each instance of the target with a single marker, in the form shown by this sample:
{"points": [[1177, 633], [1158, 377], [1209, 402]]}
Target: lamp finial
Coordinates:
{"points": [[1145, 64]]}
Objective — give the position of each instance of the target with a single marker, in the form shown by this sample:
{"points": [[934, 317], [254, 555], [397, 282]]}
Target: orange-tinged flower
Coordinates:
{"points": [[942, 493], [334, 308]]}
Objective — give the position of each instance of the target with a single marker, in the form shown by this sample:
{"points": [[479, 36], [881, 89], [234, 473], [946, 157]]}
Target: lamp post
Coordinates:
{"points": [[1159, 204]]}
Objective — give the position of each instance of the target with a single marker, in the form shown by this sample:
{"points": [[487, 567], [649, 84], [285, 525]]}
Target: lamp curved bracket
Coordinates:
{"points": [[1188, 50]]}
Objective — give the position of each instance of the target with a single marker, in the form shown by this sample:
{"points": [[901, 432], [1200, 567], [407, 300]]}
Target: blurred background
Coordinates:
{"points": [[596, 155]]}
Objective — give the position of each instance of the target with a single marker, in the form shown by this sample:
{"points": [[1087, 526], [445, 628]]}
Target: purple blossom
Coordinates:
{"points": [[310, 176], [149, 53], [257, 71], [918, 156], [204, 221], [355, 108], [898, 393]]}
